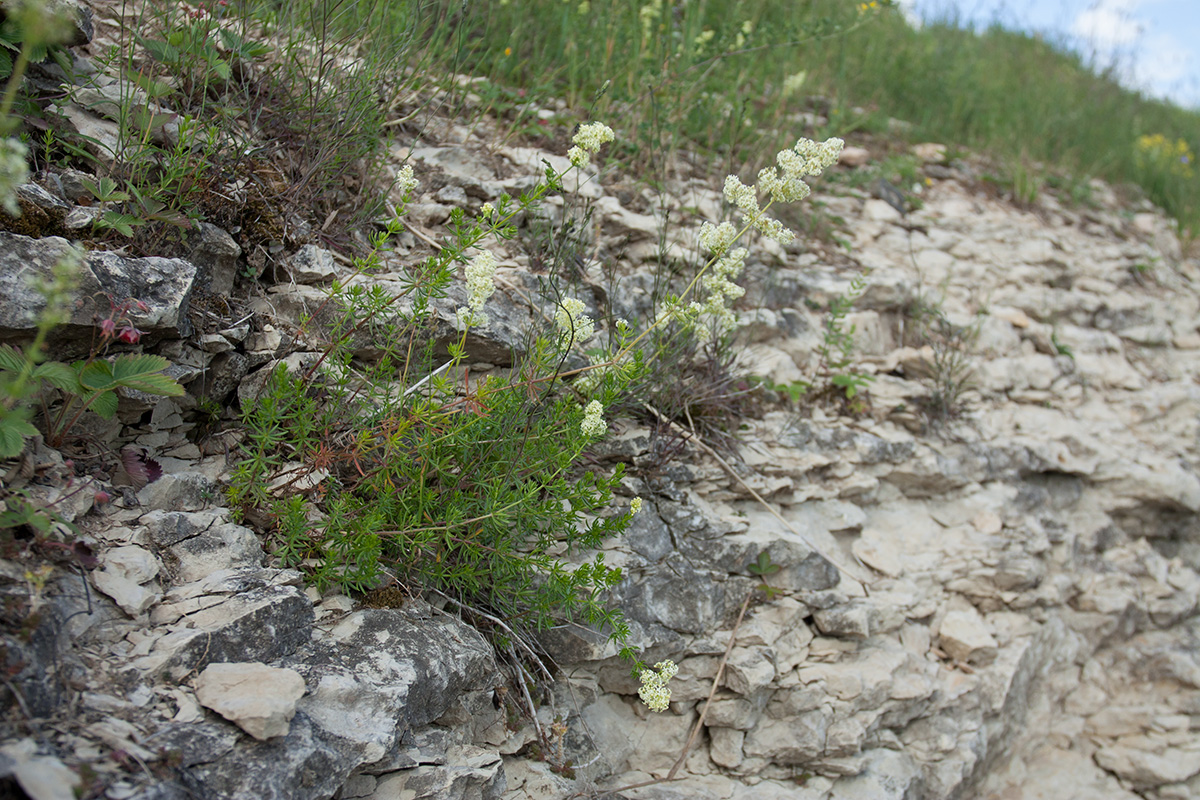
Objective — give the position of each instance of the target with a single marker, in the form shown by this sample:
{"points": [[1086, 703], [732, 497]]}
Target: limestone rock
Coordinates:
{"points": [[216, 255], [965, 637], [126, 576], [1144, 768], [469, 774], [260, 700], [311, 264], [41, 777], [163, 285], [854, 156]]}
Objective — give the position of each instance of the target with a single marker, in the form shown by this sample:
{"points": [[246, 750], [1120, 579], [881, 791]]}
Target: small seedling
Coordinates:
{"points": [[763, 568]]}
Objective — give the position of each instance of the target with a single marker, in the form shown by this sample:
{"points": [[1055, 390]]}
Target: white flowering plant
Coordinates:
{"points": [[429, 476], [692, 326]]}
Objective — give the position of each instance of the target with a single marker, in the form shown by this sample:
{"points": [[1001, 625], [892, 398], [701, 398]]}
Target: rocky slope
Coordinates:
{"points": [[1002, 604]]}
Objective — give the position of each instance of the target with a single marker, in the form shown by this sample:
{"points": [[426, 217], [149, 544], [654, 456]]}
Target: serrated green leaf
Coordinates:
{"points": [[6, 64], [121, 223], [144, 373], [154, 89], [39, 520], [97, 376], [104, 404], [58, 375], [13, 431], [223, 70], [63, 58], [11, 35], [161, 51], [11, 358]]}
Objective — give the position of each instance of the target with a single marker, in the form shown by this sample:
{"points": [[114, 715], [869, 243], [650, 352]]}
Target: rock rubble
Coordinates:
{"points": [[1002, 604]]}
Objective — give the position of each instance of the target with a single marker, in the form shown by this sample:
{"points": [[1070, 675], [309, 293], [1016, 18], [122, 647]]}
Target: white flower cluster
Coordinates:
{"points": [[746, 199], [717, 238], [593, 424], [635, 505], [793, 83], [722, 290], [406, 181], [481, 283], [14, 171], [575, 326], [587, 142], [654, 690], [785, 184], [486, 210]]}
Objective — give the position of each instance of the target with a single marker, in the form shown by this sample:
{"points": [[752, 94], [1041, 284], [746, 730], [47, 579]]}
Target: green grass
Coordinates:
{"points": [[714, 75]]}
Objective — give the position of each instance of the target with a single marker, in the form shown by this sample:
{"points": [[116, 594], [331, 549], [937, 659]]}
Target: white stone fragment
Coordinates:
{"points": [[260, 700]]}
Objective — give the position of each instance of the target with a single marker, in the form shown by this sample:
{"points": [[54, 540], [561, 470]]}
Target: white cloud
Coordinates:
{"points": [[1165, 67], [1108, 25]]}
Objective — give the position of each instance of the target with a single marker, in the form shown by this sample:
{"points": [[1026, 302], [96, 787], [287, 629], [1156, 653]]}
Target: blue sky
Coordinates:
{"points": [[1155, 44]]}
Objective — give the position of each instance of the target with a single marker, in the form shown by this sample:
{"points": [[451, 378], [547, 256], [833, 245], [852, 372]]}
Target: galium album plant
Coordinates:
{"points": [[405, 469]]}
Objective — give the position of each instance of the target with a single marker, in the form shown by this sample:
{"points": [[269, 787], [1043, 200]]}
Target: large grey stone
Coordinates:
{"points": [[233, 615], [470, 774], [164, 285], [216, 254]]}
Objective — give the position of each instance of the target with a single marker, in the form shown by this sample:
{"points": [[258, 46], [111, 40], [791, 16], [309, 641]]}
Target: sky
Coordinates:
{"points": [[1154, 44]]}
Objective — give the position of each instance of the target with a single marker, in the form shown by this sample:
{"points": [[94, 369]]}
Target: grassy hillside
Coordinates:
{"points": [[733, 77]]}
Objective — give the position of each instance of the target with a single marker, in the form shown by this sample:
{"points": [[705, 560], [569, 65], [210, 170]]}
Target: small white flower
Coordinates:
{"points": [[578, 156], [654, 691], [575, 326], [717, 238], [593, 424], [406, 181], [635, 505], [486, 210], [587, 141], [481, 283], [793, 83], [740, 195]]}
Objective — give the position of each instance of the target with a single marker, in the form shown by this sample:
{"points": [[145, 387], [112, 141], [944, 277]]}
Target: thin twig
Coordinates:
{"points": [[424, 380], [712, 692], [513, 635], [521, 675]]}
